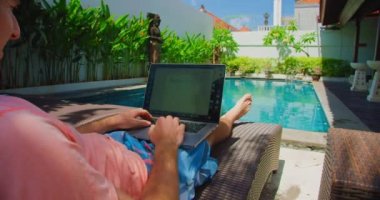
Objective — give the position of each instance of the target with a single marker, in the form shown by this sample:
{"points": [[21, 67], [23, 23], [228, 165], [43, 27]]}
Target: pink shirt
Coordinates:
{"points": [[43, 158]]}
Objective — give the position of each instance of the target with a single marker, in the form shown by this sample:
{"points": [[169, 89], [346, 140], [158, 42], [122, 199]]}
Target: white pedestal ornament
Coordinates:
{"points": [[374, 91], [359, 83]]}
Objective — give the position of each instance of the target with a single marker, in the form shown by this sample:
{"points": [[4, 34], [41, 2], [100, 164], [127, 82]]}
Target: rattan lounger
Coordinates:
{"points": [[351, 169], [245, 161]]}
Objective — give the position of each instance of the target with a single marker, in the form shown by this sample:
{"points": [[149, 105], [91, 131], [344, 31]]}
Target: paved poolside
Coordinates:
{"points": [[298, 177], [300, 165], [368, 112]]}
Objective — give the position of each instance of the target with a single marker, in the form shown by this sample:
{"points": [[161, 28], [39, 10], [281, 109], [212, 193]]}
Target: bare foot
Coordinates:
{"points": [[240, 109]]}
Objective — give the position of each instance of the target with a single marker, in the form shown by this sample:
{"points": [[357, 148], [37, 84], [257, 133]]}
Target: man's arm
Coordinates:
{"points": [[163, 179], [167, 135], [133, 118], [163, 182]]}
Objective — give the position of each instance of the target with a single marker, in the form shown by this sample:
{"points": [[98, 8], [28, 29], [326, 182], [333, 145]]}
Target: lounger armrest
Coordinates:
{"points": [[246, 161]]}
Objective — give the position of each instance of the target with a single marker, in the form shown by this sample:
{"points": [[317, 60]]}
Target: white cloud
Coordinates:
{"points": [[239, 22]]}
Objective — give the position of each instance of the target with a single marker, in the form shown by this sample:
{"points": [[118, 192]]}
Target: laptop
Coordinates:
{"points": [[191, 92]]}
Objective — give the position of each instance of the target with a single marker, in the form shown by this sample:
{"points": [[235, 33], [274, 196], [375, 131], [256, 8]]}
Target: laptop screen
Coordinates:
{"points": [[192, 92]]}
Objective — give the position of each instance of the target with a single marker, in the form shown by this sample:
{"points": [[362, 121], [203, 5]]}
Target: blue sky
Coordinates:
{"points": [[243, 12]]}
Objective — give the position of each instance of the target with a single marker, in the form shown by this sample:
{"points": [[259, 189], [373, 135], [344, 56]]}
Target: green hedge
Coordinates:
{"points": [[329, 67], [249, 65], [336, 67]]}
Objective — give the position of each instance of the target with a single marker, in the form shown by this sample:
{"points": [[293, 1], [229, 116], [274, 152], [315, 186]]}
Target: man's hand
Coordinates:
{"points": [[133, 118], [167, 131], [136, 118]]}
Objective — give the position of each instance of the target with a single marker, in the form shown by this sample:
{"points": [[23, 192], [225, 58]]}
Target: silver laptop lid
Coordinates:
{"points": [[189, 91]]}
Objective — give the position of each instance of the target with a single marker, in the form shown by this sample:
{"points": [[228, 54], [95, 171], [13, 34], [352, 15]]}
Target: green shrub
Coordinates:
{"points": [[249, 65], [315, 65], [246, 65], [247, 69], [308, 65], [336, 67], [292, 65], [235, 64], [263, 64]]}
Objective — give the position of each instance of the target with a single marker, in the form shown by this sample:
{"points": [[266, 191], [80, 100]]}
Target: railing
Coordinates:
{"points": [[264, 28]]}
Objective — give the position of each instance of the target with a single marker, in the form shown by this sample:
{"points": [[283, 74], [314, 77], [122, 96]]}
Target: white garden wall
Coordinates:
{"points": [[330, 43], [251, 45], [175, 14]]}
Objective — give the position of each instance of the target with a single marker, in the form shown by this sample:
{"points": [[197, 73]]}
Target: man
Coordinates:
{"points": [[43, 158]]}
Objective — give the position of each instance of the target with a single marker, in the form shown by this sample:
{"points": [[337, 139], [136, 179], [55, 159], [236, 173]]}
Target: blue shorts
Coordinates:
{"points": [[195, 166]]}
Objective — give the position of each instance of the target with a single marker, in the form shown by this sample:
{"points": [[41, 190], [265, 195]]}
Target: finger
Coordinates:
{"points": [[159, 120], [142, 123], [182, 128], [151, 129], [176, 119], [181, 134], [145, 114]]}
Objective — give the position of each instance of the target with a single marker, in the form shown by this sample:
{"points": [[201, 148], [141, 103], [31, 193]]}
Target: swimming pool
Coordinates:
{"points": [[293, 104]]}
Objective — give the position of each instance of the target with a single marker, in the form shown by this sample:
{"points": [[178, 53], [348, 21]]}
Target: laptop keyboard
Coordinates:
{"points": [[193, 127], [189, 126]]}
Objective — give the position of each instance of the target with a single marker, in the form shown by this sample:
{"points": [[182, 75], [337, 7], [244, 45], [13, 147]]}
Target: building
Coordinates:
{"points": [[244, 29], [285, 21], [352, 28], [306, 14], [218, 23], [277, 11]]}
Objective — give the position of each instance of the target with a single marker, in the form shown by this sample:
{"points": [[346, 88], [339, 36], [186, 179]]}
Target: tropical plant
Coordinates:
{"points": [[189, 49], [284, 39], [58, 45], [62, 42], [129, 49], [223, 45], [198, 49]]}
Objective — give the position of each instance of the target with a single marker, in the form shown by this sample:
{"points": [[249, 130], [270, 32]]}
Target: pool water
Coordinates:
{"points": [[293, 104]]}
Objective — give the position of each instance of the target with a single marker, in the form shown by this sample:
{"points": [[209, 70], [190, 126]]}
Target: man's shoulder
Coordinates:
{"points": [[10, 105], [11, 101]]}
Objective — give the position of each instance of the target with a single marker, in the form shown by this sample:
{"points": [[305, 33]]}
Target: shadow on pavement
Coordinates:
{"points": [[271, 187]]}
